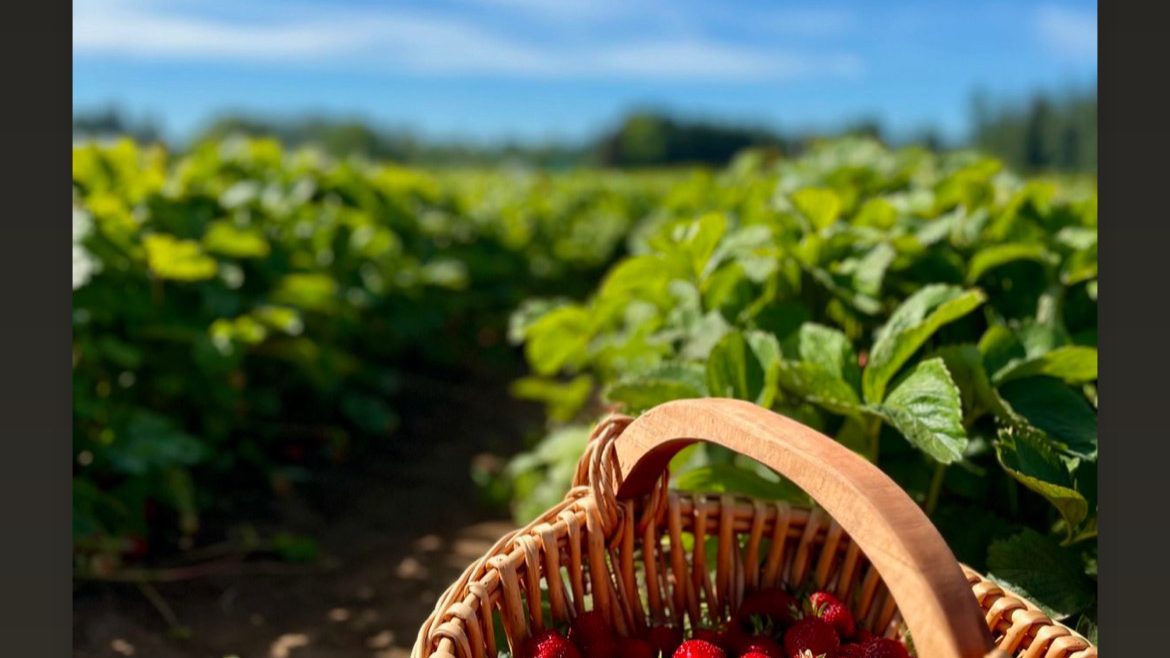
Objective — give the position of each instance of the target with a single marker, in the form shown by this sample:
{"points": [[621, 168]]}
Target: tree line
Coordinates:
{"points": [[1048, 132]]}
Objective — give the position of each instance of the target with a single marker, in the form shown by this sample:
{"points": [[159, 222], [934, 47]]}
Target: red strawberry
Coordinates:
{"points": [[813, 635], [665, 639], [635, 647], [754, 654], [760, 645], [831, 609], [732, 639], [864, 635], [698, 649], [590, 632], [884, 647], [851, 650], [707, 635], [549, 644], [774, 603], [137, 547]]}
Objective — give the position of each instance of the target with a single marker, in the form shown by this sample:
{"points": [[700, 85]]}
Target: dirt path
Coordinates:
{"points": [[396, 526]]}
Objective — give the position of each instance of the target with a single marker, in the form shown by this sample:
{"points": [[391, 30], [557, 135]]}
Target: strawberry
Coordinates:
{"points": [[851, 650], [733, 638], [762, 645], [137, 547], [813, 635], [549, 644], [590, 632], [635, 647], [708, 635], [772, 604], [754, 654], [831, 609], [665, 639], [864, 635], [884, 647], [726, 638], [698, 649]]}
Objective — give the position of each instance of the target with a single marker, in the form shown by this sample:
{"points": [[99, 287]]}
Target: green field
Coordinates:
{"points": [[244, 314]]}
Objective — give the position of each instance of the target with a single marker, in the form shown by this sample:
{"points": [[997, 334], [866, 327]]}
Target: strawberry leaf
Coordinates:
{"points": [[1073, 363], [1058, 410], [908, 328], [925, 407], [1026, 455], [667, 382], [1035, 567]]}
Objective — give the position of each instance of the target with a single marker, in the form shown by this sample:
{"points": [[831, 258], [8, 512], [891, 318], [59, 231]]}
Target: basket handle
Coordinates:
{"points": [[917, 566]]}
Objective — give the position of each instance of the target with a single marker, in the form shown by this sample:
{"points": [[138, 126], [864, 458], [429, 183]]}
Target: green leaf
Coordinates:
{"points": [[733, 371], [871, 269], [1026, 455], [674, 381], [646, 277], [526, 315], [821, 206], [730, 478], [1074, 364], [370, 413], [876, 212], [990, 258], [820, 387], [767, 351], [227, 239], [826, 373], [965, 364], [925, 407], [704, 335], [910, 325], [310, 291], [151, 441], [558, 339], [280, 318], [1058, 410], [828, 349], [702, 238], [181, 260], [541, 476], [1000, 347], [562, 400], [751, 247], [1036, 568]]}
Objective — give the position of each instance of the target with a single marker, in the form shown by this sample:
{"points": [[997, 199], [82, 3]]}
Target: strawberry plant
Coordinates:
{"points": [[936, 314], [243, 314]]}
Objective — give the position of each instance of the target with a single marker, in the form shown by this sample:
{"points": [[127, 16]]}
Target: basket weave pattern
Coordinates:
{"points": [[647, 561]]}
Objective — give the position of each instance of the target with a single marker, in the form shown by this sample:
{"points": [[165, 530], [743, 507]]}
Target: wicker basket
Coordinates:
{"points": [[616, 544]]}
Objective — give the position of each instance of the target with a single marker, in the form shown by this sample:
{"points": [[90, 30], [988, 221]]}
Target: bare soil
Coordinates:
{"points": [[395, 526]]}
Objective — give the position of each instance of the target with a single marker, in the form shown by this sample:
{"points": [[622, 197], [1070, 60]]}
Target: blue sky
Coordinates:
{"points": [[564, 69]]}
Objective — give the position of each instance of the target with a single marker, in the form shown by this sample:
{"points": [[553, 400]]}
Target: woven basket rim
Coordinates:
{"points": [[596, 532]]}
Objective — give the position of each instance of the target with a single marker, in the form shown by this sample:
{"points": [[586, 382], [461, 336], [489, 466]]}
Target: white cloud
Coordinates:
{"points": [[689, 59], [1068, 33], [561, 9], [416, 42]]}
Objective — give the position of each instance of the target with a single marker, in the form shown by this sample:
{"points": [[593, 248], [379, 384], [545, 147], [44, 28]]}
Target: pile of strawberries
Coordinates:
{"points": [[771, 623]]}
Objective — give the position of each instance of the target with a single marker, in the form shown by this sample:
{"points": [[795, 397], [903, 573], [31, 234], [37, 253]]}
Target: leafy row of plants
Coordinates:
{"points": [[242, 314], [936, 314]]}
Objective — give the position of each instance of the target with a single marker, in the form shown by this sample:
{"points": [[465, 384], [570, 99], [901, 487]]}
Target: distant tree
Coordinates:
{"points": [[648, 138], [112, 122], [1048, 133]]}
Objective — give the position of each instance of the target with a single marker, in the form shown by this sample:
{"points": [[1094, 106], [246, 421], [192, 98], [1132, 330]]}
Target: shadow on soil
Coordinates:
{"points": [[395, 527]]}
